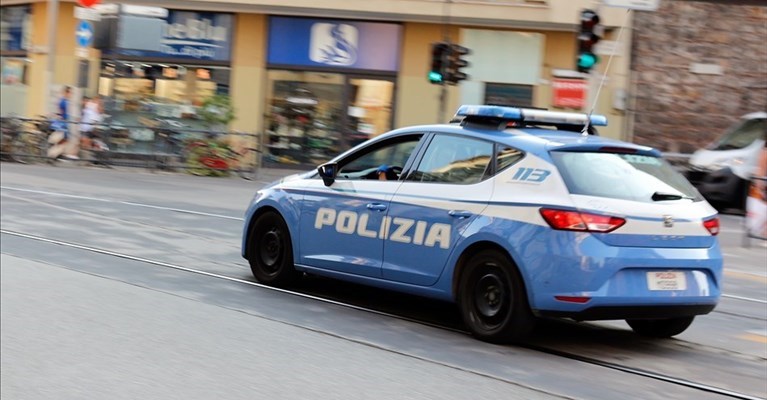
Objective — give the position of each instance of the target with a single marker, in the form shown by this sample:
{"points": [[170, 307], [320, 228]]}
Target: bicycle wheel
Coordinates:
{"points": [[25, 149]]}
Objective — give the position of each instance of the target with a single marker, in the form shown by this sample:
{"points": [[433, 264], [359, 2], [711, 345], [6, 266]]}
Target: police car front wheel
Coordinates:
{"points": [[492, 299], [271, 255]]}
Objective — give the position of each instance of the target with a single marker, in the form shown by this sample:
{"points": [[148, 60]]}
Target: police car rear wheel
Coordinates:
{"points": [[660, 328], [492, 299], [271, 256]]}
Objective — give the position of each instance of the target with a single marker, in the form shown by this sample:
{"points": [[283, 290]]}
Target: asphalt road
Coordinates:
{"points": [[78, 322]]}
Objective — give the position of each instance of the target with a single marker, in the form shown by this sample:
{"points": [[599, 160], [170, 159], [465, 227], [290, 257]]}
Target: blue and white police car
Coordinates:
{"points": [[511, 213]]}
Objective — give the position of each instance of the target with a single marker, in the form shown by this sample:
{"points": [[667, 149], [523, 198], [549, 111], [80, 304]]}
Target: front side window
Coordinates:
{"points": [[622, 176], [383, 161], [453, 159]]}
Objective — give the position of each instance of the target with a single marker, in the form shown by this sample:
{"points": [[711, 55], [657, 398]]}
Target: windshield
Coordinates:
{"points": [[623, 176], [742, 135]]}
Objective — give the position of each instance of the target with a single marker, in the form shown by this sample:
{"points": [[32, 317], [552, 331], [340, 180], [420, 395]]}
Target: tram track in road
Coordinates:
{"points": [[537, 348]]}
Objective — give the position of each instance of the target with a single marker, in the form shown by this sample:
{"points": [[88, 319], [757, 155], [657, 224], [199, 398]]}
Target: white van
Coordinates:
{"points": [[721, 172]]}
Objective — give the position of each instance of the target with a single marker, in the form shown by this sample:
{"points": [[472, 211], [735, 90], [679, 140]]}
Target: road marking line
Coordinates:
{"points": [[752, 337], [744, 298], [751, 276], [129, 203]]}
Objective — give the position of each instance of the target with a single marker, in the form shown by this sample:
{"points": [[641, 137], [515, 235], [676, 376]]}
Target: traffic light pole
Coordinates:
{"points": [[443, 84], [593, 95]]}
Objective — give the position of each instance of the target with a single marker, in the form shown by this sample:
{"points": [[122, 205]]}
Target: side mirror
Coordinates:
{"points": [[328, 173]]}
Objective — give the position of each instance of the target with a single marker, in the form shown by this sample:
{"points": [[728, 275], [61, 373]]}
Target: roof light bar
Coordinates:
{"points": [[529, 115]]}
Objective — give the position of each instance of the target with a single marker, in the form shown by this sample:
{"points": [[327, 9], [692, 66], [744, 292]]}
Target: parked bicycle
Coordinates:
{"points": [[25, 140], [214, 157]]}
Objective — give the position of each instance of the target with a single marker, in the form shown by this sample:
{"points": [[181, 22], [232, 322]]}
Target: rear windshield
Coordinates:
{"points": [[623, 176]]}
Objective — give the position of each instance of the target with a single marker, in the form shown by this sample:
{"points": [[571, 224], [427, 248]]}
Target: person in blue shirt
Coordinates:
{"points": [[60, 124], [64, 104]]}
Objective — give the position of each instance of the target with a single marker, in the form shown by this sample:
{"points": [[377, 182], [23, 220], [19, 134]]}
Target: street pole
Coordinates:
{"points": [[53, 17], [446, 39]]}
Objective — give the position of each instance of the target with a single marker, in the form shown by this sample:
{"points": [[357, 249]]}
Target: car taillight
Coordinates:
{"points": [[579, 221], [712, 225]]}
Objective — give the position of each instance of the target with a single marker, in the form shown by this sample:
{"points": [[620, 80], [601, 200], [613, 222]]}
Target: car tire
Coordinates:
{"points": [[660, 328], [271, 252], [492, 299]]}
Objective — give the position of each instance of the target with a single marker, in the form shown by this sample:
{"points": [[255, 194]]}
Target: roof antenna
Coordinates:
{"points": [[587, 125]]}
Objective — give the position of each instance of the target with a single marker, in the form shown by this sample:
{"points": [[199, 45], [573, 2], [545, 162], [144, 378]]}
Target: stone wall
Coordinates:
{"points": [[676, 109]]}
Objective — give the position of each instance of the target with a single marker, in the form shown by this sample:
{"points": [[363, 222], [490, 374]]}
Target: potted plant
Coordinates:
{"points": [[211, 155]]}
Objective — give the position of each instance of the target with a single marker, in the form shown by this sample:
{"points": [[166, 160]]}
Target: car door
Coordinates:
{"points": [[341, 224], [434, 206]]}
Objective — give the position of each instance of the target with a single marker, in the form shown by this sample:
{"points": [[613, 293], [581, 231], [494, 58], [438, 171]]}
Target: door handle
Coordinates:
{"points": [[459, 213], [376, 206]]}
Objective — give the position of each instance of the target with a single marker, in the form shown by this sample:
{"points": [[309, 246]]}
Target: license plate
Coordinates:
{"points": [[666, 280]]}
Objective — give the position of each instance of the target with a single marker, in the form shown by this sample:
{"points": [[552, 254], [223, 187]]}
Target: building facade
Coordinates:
{"points": [[698, 66], [313, 80]]}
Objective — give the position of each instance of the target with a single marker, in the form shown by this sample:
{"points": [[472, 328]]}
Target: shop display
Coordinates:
{"points": [[145, 95]]}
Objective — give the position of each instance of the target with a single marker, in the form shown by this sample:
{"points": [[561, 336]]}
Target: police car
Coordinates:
{"points": [[511, 213]]}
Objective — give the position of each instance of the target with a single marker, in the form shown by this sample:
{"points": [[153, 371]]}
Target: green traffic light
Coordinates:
{"points": [[587, 60], [435, 77]]}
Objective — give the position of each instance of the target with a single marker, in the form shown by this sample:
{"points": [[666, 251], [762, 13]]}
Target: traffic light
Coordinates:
{"points": [[455, 62], [438, 62], [587, 38]]}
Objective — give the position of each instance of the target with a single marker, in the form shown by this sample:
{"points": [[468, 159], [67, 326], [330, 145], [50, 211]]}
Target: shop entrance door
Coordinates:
{"points": [[369, 108]]}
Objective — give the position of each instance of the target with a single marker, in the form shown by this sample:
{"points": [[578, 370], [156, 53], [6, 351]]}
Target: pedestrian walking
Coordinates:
{"points": [[92, 116], [60, 137]]}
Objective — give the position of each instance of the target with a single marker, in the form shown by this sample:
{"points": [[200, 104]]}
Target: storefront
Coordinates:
{"points": [[330, 86], [15, 31], [160, 68]]}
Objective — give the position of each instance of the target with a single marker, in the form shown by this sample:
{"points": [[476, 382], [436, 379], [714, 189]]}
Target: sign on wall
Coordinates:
{"points": [[180, 34], [334, 43], [569, 93]]}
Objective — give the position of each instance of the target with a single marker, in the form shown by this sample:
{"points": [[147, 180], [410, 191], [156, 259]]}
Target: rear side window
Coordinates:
{"points": [[506, 157], [622, 176]]}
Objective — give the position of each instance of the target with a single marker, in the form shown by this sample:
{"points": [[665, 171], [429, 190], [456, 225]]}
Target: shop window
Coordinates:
{"points": [[15, 28], [14, 70], [303, 118], [311, 116], [144, 95], [505, 94], [369, 112], [13, 95]]}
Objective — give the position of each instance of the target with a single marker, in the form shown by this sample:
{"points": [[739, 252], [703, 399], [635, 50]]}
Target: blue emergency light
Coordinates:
{"points": [[479, 112]]}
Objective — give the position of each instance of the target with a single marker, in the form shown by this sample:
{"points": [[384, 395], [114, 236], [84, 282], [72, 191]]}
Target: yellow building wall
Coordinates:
{"points": [[560, 53], [37, 94], [417, 100], [248, 72], [65, 62]]}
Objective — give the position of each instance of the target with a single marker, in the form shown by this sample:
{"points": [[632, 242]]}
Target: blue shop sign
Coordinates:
{"points": [[334, 43], [185, 35]]}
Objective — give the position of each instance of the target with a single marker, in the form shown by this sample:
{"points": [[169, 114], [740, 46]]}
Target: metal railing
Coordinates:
{"points": [[156, 144]]}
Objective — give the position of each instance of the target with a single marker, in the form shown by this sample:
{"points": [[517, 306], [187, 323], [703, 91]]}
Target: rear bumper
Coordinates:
{"points": [[721, 186], [630, 312]]}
